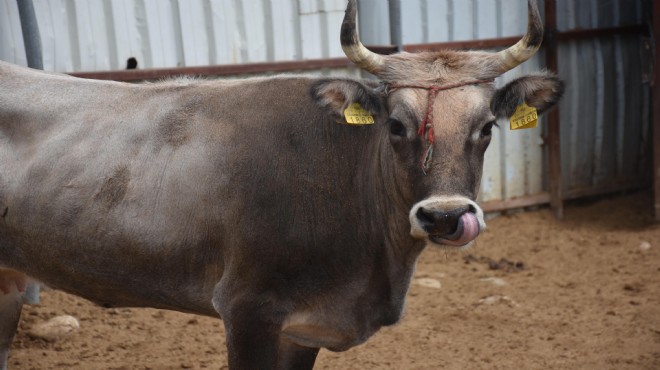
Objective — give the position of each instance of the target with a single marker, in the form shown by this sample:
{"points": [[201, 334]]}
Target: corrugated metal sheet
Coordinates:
{"points": [[92, 35], [605, 113], [425, 21]]}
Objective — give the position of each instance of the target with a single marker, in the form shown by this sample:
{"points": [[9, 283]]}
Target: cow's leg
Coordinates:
{"points": [[294, 357], [11, 302], [252, 324], [252, 336]]}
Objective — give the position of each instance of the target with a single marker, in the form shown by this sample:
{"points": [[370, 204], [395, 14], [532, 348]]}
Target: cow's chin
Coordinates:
{"points": [[467, 228], [437, 242]]}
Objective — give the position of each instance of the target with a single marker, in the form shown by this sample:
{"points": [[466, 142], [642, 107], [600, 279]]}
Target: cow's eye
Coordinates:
{"points": [[397, 128], [487, 130]]}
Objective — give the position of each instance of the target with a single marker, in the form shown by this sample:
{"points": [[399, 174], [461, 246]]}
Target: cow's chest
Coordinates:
{"points": [[345, 319]]}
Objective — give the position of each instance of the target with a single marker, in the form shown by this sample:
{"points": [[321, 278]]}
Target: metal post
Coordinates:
{"points": [[31, 37], [553, 140], [656, 112], [396, 36], [32, 41]]}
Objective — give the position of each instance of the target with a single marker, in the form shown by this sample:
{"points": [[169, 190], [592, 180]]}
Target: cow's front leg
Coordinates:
{"points": [[294, 357], [11, 302], [252, 331], [253, 319]]}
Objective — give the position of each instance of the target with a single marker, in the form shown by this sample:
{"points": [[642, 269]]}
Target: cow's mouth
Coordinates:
{"points": [[467, 229], [450, 221]]}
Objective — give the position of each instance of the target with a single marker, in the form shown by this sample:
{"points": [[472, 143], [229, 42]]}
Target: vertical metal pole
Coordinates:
{"points": [[31, 37], [32, 41], [554, 142], [396, 36], [656, 112]]}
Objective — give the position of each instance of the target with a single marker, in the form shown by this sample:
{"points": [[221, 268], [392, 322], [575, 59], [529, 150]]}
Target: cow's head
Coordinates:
{"points": [[439, 111]]}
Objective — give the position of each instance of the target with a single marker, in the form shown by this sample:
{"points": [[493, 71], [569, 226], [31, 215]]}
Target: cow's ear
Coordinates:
{"points": [[541, 91], [335, 95]]}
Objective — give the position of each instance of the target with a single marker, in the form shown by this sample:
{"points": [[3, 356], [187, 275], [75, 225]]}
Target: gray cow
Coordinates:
{"points": [[252, 200]]}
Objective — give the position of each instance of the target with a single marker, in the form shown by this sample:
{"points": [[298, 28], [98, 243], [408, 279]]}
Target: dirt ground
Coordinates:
{"points": [[534, 293]]}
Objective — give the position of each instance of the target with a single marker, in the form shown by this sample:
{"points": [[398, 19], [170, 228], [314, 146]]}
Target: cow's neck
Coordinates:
{"points": [[389, 211]]}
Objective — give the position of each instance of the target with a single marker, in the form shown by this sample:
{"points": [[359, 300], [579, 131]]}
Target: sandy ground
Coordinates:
{"points": [[534, 293]]}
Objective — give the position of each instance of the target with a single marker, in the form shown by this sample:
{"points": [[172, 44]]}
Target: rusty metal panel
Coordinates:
{"points": [[605, 112]]}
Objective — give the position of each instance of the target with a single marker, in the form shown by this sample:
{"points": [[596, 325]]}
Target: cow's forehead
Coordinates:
{"points": [[466, 98], [470, 102], [439, 67]]}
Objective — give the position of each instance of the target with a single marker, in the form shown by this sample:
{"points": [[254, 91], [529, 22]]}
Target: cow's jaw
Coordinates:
{"points": [[460, 219]]}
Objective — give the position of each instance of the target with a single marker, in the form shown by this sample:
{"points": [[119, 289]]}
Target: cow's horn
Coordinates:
{"points": [[353, 48], [528, 45]]}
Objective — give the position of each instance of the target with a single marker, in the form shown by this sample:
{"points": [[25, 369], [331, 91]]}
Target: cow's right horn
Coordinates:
{"points": [[528, 45], [353, 48]]}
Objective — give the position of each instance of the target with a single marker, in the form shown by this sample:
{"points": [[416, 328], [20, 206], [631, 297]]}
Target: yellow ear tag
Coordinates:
{"points": [[524, 117], [356, 115]]}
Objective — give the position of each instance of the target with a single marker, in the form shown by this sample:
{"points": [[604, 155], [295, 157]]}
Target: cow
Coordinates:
{"points": [[294, 208]]}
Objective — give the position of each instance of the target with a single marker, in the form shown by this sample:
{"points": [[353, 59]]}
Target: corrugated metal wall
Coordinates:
{"points": [[605, 114], [426, 21], [93, 35]]}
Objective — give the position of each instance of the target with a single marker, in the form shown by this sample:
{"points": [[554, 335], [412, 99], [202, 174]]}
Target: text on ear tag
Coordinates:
{"points": [[524, 117], [356, 115]]}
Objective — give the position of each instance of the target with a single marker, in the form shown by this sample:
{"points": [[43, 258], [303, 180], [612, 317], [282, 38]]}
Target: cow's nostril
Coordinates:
{"points": [[425, 217]]}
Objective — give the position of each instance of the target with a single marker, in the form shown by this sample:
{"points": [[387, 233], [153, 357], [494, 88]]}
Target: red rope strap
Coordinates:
{"points": [[426, 128]]}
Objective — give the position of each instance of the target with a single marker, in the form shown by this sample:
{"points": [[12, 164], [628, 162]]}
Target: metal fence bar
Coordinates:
{"points": [[517, 202], [219, 70], [656, 112], [553, 140], [311, 64]]}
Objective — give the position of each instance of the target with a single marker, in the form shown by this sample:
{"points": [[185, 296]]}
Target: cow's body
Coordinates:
{"points": [[246, 199], [154, 188]]}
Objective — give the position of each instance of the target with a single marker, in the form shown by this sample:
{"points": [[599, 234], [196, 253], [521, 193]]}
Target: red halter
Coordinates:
{"points": [[426, 128]]}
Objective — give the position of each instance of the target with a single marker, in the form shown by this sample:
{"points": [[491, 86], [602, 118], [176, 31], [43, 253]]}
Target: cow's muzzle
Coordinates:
{"points": [[453, 221]]}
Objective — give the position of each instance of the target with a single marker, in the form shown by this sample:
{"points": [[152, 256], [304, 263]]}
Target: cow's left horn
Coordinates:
{"points": [[353, 48], [528, 45]]}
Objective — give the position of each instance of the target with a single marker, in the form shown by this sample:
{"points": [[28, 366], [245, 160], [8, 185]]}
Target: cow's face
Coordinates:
{"points": [[441, 108], [445, 171], [443, 158], [438, 169]]}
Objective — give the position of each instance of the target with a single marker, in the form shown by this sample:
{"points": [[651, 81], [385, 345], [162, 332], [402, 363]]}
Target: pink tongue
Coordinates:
{"points": [[470, 230]]}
